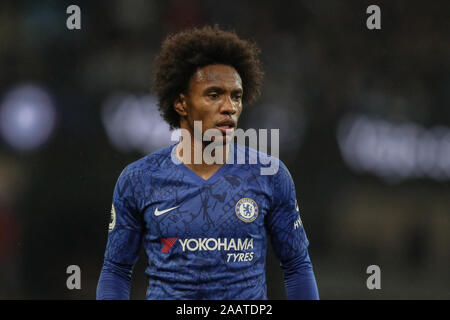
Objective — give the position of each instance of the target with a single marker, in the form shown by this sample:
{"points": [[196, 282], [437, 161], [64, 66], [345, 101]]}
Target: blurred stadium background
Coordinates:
{"points": [[364, 119]]}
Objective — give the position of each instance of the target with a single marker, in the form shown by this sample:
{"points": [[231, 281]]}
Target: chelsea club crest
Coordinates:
{"points": [[246, 209]]}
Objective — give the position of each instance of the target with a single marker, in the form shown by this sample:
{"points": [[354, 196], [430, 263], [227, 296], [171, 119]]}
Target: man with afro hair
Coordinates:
{"points": [[204, 224]]}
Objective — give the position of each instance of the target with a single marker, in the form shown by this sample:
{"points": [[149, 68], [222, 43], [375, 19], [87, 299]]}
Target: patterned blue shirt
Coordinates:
{"points": [[205, 239]]}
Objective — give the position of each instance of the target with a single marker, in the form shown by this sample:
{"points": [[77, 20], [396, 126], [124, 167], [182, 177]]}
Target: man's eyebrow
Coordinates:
{"points": [[220, 89], [214, 88]]}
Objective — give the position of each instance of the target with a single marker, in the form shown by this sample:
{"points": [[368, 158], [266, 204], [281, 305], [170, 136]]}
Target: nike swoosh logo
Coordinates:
{"points": [[158, 213]]}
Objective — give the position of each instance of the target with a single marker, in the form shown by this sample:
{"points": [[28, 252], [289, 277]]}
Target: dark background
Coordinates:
{"points": [[364, 119]]}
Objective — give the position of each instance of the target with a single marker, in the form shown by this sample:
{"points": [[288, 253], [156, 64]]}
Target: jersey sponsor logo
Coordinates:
{"points": [[158, 213], [167, 244], [296, 205], [112, 221], [241, 248], [246, 210], [297, 223], [212, 244]]}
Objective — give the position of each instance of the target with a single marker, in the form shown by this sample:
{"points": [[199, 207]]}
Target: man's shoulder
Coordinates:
{"points": [[148, 164], [257, 160]]}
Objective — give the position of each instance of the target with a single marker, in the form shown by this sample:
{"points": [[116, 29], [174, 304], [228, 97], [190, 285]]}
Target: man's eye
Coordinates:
{"points": [[214, 95], [237, 97]]}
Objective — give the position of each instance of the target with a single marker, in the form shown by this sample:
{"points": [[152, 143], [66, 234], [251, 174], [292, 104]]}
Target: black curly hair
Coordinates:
{"points": [[186, 51]]}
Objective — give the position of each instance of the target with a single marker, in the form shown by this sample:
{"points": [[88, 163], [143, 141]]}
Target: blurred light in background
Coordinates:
{"points": [[133, 123], [27, 117], [394, 151]]}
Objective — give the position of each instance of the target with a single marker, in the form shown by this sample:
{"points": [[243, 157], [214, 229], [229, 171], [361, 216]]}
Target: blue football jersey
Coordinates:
{"points": [[204, 239]]}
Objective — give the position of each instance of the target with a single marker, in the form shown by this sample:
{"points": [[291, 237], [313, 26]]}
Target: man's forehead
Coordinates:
{"points": [[217, 74]]}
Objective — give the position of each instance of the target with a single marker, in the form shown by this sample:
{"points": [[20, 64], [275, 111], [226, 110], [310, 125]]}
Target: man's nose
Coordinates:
{"points": [[228, 106]]}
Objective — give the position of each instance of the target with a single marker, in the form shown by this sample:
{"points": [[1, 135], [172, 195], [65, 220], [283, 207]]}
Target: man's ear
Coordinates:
{"points": [[180, 105]]}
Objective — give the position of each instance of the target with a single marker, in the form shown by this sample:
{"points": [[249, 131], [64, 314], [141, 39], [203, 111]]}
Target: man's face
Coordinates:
{"points": [[214, 97]]}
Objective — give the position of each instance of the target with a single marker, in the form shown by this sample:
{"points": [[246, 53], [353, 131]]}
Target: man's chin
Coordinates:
{"points": [[223, 140], [221, 136]]}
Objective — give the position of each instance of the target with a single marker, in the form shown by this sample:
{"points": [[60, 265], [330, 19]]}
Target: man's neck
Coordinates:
{"points": [[198, 161]]}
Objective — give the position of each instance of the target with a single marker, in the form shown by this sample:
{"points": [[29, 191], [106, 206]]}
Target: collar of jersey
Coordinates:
{"points": [[195, 176]]}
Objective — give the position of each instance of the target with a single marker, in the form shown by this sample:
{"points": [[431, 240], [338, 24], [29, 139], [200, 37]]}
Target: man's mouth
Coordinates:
{"points": [[226, 126]]}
